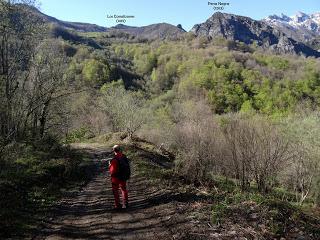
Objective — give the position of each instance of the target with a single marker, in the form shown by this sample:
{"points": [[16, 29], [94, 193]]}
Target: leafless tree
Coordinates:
{"points": [[19, 35], [197, 138], [125, 109], [46, 84], [257, 149]]}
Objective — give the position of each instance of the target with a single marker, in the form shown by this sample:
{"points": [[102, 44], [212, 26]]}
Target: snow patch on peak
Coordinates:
{"points": [[301, 27], [300, 17], [300, 21]]}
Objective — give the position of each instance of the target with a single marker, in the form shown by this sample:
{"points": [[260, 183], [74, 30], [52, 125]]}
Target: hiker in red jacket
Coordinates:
{"points": [[116, 182]]}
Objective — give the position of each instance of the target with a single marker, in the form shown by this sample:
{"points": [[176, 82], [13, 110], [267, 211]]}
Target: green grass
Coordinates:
{"points": [[147, 161], [219, 212], [32, 179], [151, 171], [92, 34]]}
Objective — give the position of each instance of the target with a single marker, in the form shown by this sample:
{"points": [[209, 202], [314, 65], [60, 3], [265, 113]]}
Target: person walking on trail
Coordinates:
{"points": [[120, 172]]}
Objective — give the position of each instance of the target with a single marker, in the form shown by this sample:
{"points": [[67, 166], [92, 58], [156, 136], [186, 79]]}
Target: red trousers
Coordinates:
{"points": [[116, 184]]}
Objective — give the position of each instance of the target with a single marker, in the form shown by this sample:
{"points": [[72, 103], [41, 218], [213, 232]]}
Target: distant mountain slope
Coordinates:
{"points": [[77, 26], [72, 36], [301, 27], [154, 31], [247, 30], [151, 32]]}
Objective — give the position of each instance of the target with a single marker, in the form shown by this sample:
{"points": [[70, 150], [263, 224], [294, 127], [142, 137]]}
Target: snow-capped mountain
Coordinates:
{"points": [[249, 31], [301, 27]]}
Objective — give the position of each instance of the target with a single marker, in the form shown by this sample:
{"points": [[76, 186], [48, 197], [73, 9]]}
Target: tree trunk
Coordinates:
{"points": [[43, 118]]}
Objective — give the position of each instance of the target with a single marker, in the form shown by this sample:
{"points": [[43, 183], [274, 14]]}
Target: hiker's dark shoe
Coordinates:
{"points": [[116, 209], [126, 206]]}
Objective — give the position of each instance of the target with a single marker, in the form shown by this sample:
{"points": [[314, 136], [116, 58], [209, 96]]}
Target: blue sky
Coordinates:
{"points": [[185, 12]]}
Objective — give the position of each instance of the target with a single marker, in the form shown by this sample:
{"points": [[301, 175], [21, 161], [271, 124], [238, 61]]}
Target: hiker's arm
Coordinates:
{"points": [[113, 168]]}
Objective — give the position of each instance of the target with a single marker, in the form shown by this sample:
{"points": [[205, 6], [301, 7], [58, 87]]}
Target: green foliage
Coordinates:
{"points": [[227, 79], [247, 107], [273, 61], [222, 208], [145, 63], [90, 68], [95, 72], [232, 81], [78, 135], [219, 212], [115, 84]]}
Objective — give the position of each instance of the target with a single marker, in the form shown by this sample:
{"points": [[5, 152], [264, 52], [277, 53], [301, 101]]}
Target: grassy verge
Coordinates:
{"points": [[32, 178]]}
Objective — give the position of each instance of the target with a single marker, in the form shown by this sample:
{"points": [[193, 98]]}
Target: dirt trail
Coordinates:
{"points": [[154, 213], [88, 214]]}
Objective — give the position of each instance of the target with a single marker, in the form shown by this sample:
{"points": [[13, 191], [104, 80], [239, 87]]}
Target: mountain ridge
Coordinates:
{"points": [[229, 26], [244, 29], [151, 32], [301, 27], [78, 26]]}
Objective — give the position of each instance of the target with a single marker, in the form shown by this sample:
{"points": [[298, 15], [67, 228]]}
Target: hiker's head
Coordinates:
{"points": [[116, 148]]}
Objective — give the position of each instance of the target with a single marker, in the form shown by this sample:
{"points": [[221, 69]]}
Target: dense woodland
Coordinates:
{"points": [[224, 109]]}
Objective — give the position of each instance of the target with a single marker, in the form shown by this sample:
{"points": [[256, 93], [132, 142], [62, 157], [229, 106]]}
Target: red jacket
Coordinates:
{"points": [[114, 166]]}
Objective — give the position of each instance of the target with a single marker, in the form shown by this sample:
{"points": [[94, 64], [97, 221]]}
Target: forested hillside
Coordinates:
{"points": [[236, 119]]}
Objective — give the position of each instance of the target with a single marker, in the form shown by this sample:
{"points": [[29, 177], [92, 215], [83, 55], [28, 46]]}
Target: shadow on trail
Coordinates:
{"points": [[88, 214]]}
